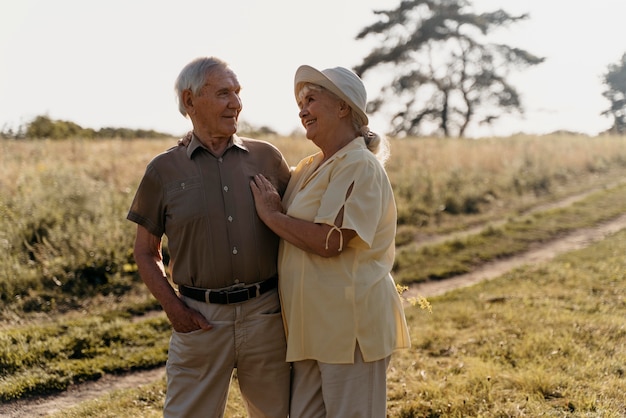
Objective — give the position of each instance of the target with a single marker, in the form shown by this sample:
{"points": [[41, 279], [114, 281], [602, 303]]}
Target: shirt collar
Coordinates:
{"points": [[355, 144], [195, 143]]}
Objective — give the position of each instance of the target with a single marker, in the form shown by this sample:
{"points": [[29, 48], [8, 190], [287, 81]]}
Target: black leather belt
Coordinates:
{"points": [[233, 294]]}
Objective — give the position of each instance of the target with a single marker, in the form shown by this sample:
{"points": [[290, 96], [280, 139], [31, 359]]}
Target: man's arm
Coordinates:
{"points": [[149, 261]]}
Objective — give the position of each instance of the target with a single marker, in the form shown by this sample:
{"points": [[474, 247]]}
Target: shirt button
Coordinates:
{"points": [[220, 159], [235, 250], [225, 188], [230, 219]]}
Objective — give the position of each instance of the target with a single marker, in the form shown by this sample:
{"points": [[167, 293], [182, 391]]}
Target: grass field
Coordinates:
{"points": [[545, 340]]}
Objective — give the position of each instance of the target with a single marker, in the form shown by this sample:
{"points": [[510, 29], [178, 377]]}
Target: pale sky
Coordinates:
{"points": [[113, 63]]}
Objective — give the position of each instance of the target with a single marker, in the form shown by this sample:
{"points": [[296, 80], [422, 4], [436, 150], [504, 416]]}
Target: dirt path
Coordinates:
{"points": [[80, 393], [43, 406], [568, 201], [573, 241]]}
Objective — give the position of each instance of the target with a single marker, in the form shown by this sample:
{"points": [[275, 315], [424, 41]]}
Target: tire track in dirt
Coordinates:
{"points": [[43, 406], [539, 253], [75, 394], [565, 202]]}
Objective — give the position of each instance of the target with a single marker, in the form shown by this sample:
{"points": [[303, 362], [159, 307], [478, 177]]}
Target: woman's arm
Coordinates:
{"points": [[321, 239]]}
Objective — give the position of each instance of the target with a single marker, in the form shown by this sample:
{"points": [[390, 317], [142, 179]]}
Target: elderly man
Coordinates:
{"points": [[223, 259]]}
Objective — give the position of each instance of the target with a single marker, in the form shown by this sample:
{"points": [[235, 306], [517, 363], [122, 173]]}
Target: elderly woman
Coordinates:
{"points": [[341, 309]]}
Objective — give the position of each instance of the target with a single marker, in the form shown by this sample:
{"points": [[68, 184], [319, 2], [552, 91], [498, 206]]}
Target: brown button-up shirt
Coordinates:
{"points": [[203, 204]]}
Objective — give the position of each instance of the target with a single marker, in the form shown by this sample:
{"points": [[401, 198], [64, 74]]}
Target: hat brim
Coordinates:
{"points": [[308, 74]]}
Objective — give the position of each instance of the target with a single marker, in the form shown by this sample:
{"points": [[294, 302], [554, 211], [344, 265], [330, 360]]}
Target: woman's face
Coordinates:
{"points": [[319, 113]]}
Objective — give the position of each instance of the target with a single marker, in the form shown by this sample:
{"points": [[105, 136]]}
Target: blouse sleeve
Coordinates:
{"points": [[362, 204]]}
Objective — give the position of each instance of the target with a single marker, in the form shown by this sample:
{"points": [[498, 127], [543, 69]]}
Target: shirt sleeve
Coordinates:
{"points": [[147, 206], [362, 205]]}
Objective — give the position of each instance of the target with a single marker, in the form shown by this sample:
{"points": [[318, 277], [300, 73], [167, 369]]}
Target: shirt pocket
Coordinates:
{"points": [[185, 200]]}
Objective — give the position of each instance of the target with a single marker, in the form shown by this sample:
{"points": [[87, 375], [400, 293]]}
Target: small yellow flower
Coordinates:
{"points": [[415, 301]]}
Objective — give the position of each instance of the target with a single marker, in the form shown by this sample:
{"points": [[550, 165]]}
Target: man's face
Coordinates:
{"points": [[216, 107]]}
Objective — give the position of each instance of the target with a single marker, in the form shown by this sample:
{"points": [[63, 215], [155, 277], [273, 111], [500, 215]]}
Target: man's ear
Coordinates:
{"points": [[188, 100]]}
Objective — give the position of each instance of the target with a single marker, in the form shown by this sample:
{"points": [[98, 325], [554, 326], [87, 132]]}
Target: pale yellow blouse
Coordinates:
{"points": [[330, 304]]}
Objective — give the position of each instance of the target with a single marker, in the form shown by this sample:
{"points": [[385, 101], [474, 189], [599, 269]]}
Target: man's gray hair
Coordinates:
{"points": [[193, 77]]}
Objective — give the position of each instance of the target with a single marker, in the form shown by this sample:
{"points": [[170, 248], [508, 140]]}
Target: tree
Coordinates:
{"points": [[446, 76], [44, 127], [615, 81]]}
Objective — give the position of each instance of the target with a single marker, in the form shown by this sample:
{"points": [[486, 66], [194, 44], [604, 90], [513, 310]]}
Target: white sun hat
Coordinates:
{"points": [[341, 81]]}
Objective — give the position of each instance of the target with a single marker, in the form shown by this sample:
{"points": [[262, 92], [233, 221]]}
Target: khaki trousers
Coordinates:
{"points": [[249, 337], [322, 390]]}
